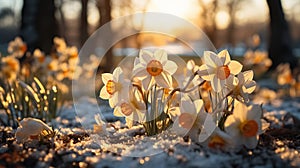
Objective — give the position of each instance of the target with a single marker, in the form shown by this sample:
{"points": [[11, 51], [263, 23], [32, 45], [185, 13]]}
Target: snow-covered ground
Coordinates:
{"points": [[75, 145]]}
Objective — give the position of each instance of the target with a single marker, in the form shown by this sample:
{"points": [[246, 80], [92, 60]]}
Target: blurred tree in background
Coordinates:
{"points": [[38, 25], [104, 7], [280, 43]]}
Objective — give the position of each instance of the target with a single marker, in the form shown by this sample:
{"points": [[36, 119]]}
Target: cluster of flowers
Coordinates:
{"points": [[59, 65], [257, 60], [208, 103], [35, 84]]}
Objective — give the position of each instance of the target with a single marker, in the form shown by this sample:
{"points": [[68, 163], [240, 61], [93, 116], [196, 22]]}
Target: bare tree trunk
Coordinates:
{"points": [[104, 7], [38, 26], [84, 24], [28, 23], [231, 26], [208, 14], [280, 49], [46, 25]]}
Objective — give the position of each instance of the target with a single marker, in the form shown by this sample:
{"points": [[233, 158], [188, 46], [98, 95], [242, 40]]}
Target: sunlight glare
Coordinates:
{"points": [[176, 7], [222, 19]]}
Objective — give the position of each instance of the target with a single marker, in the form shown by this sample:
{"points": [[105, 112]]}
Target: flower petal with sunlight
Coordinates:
{"points": [[188, 121], [244, 125], [219, 140], [116, 87], [154, 68], [241, 86], [219, 67], [31, 127]]}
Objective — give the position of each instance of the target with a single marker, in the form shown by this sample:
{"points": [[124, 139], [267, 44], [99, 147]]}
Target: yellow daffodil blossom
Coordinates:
{"points": [[154, 68], [219, 67], [115, 88], [17, 48], [32, 127], [245, 125], [60, 44], [259, 58], [10, 67], [285, 76], [241, 86], [39, 56]]}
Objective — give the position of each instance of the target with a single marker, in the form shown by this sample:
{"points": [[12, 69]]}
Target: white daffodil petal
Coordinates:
{"points": [[248, 75], [161, 55], [145, 56], [104, 94], [141, 74], [211, 59], [190, 65], [230, 122], [251, 142], [208, 128], [30, 126], [230, 82], [206, 74], [249, 87], [225, 57], [255, 112], [138, 67], [106, 77], [235, 67], [111, 103], [240, 111], [136, 62], [117, 73], [170, 67], [216, 84]]}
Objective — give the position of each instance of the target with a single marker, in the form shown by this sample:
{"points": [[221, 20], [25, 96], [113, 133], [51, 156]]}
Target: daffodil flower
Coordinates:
{"points": [[191, 69], [60, 44], [219, 140], [242, 85], [17, 47], [187, 121], [131, 114], [10, 67], [219, 67], [244, 125], [115, 88], [32, 127], [285, 75], [154, 68]]}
